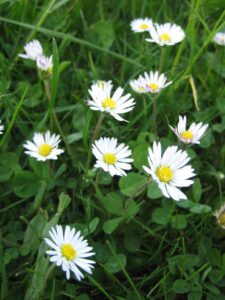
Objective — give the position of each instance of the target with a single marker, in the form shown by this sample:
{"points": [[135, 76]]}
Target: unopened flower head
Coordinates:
{"points": [[113, 103], [170, 170], [33, 49], [70, 251], [44, 146], [44, 63], [141, 25], [193, 134], [150, 83], [220, 216], [219, 38], [1, 128], [112, 157], [166, 34]]}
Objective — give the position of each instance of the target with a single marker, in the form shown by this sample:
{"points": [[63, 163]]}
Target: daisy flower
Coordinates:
{"points": [[169, 170], [70, 250], [139, 85], [112, 157], [166, 34], [219, 38], [220, 216], [1, 128], [152, 82], [191, 135], [141, 25], [44, 63], [44, 146], [33, 49], [113, 103]]}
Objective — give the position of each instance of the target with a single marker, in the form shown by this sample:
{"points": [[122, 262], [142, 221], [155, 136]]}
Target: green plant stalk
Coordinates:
{"points": [[94, 137], [99, 287], [54, 116], [125, 272], [43, 16], [9, 128], [73, 39]]}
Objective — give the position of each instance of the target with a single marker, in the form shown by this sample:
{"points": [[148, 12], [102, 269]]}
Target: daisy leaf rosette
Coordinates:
{"points": [[70, 251], [169, 170]]}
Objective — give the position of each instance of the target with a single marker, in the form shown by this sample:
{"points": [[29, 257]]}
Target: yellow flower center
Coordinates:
{"points": [[164, 173], [140, 89], [187, 135], [68, 252], [153, 86], [49, 70], [109, 102], [165, 37], [221, 219], [45, 149], [109, 158], [144, 26]]}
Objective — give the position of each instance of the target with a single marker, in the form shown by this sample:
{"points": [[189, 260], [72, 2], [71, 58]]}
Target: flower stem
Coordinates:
{"points": [[154, 114], [47, 86], [94, 137]]}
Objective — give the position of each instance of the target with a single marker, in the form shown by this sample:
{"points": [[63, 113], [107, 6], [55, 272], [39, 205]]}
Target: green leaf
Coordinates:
{"points": [[183, 262], [64, 201], [178, 221], [114, 263], [132, 184], [200, 209], [110, 225], [131, 209], [33, 233], [25, 184], [102, 33], [197, 190], [181, 286], [154, 191], [140, 156], [161, 216], [113, 203]]}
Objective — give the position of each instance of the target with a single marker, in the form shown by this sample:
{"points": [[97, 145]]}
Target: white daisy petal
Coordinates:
{"points": [[141, 25], [169, 170], [33, 49], [149, 83], [113, 103], [69, 251], [111, 157], [44, 146], [219, 38], [191, 135], [166, 34]]}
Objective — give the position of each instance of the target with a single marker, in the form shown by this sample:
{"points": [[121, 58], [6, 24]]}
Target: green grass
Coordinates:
{"points": [[147, 247]]}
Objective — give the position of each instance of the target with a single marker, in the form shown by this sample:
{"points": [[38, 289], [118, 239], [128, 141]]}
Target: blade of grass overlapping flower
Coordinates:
{"points": [[73, 39], [51, 87], [41, 271], [9, 128]]}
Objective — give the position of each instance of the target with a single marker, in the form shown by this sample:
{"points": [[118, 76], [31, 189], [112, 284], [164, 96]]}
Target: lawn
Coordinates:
{"points": [[105, 193]]}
